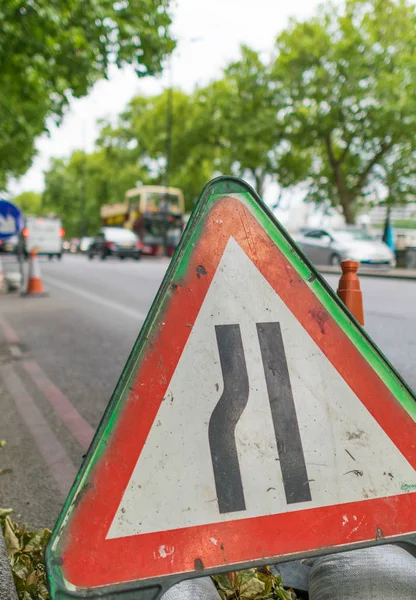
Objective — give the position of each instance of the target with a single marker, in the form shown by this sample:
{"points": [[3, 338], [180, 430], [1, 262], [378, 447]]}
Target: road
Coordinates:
{"points": [[70, 348]]}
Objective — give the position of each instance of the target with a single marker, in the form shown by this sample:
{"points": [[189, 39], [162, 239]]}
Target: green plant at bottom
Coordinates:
{"points": [[26, 551], [252, 584]]}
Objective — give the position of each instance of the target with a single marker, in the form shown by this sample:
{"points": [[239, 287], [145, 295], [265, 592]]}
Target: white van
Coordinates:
{"points": [[45, 234]]}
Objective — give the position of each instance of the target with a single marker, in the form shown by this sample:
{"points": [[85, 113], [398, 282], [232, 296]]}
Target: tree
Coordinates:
{"points": [[347, 76], [141, 137], [51, 52], [76, 188], [30, 203], [243, 109]]}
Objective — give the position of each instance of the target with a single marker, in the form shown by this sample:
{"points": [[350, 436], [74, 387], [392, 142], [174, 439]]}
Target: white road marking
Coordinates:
{"points": [[129, 312], [51, 450]]}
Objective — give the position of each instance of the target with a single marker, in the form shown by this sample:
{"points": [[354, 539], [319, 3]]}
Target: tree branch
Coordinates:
{"points": [[384, 147], [345, 151], [333, 161]]}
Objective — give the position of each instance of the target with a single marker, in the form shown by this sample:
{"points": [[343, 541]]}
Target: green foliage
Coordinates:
{"points": [[243, 110], [143, 130], [347, 76], [252, 584], [26, 550], [333, 110], [76, 188], [53, 51], [30, 203]]}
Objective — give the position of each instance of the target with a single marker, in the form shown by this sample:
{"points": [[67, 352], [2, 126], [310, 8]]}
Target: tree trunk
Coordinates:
{"points": [[348, 207], [260, 179], [346, 197]]}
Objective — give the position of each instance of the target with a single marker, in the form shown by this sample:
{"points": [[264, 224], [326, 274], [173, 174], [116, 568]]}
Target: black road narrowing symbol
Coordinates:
{"points": [[227, 413], [225, 417]]}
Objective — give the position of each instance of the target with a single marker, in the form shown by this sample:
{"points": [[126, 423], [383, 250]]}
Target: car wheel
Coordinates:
{"points": [[50, 256], [335, 260], [104, 256], [59, 256], [122, 257], [138, 257], [90, 256]]}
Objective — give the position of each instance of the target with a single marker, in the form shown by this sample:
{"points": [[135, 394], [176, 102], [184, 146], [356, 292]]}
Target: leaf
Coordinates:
{"points": [[251, 588], [10, 539], [2, 443], [32, 579], [26, 553], [252, 584], [224, 584]]}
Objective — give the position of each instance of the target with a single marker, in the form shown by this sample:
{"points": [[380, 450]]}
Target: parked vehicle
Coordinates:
{"points": [[9, 246], [331, 246], [115, 241], [45, 234], [85, 243]]}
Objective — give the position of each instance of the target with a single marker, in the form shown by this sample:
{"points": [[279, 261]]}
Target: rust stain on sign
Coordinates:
{"points": [[320, 316], [198, 564], [200, 270]]}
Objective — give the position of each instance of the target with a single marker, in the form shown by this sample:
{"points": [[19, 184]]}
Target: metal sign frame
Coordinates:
{"points": [[151, 587]]}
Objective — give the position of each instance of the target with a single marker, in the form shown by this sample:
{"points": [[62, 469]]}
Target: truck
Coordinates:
{"points": [[44, 234], [154, 213]]}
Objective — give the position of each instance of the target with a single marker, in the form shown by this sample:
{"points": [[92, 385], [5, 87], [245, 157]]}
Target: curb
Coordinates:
{"points": [[7, 587], [399, 274]]}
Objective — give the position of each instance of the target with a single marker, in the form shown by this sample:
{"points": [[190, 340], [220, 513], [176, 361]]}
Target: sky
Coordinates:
{"points": [[209, 34]]}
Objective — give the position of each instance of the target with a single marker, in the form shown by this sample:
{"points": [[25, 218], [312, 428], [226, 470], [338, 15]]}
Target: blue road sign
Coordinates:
{"points": [[11, 220]]}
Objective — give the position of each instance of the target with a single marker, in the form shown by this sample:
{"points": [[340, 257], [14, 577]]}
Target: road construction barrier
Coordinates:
{"points": [[34, 283], [349, 289]]}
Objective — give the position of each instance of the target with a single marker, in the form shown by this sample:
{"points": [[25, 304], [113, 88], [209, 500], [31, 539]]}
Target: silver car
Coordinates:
{"points": [[331, 246]]}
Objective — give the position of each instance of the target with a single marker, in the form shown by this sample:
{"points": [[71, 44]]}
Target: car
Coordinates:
{"points": [[9, 245], [85, 243], [115, 241], [332, 246]]}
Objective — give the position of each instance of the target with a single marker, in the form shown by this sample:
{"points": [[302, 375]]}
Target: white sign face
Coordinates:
{"points": [[7, 225], [180, 480]]}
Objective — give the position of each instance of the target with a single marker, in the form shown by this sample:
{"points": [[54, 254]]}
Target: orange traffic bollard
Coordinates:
{"points": [[349, 289], [34, 283]]}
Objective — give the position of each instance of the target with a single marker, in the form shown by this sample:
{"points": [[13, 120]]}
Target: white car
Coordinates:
{"points": [[85, 243], [332, 246]]}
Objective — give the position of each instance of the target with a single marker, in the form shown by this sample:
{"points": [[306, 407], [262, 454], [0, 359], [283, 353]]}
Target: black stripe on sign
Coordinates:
{"points": [[225, 416], [286, 427]]}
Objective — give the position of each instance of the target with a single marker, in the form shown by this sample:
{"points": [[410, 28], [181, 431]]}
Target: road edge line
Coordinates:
{"points": [[60, 466], [66, 411]]}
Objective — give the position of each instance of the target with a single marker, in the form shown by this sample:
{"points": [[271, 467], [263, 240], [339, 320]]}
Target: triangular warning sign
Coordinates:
{"points": [[255, 420]]}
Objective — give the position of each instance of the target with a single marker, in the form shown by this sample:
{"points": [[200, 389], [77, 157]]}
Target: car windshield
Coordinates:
{"points": [[120, 236], [353, 235]]}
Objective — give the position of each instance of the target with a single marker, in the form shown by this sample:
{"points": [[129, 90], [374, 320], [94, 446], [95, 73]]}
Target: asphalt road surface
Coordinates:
{"points": [[61, 356]]}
